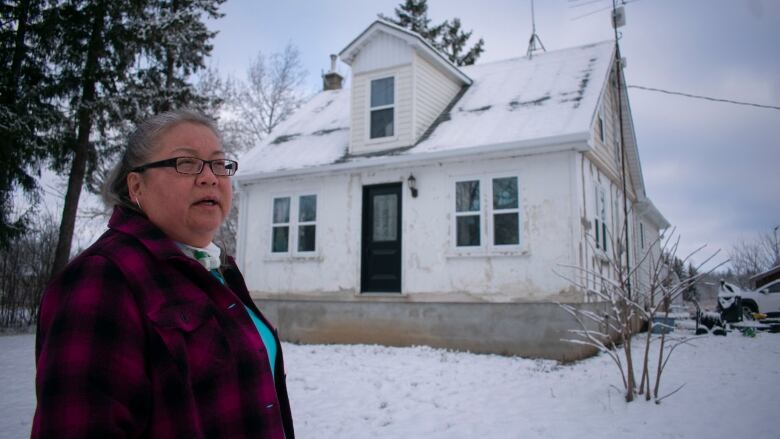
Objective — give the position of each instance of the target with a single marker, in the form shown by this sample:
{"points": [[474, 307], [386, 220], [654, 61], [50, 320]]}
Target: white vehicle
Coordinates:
{"points": [[765, 300]]}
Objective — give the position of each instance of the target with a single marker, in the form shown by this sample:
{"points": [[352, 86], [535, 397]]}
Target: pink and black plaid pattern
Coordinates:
{"points": [[135, 339]]}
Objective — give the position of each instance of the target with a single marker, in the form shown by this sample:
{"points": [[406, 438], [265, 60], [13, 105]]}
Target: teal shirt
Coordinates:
{"points": [[268, 338], [265, 332]]}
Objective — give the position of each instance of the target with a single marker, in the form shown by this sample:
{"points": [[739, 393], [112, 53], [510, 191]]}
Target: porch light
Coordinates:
{"points": [[412, 185]]}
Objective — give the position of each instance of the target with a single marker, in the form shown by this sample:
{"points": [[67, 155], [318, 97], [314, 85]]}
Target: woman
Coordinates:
{"points": [[150, 332]]}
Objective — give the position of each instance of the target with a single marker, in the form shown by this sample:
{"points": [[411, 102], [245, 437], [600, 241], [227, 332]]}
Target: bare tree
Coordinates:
{"points": [[252, 109], [272, 92], [24, 272], [750, 257], [633, 297]]}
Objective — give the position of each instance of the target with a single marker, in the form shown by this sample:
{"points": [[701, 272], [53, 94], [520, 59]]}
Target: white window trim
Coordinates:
{"points": [[598, 234], [601, 126], [369, 109], [486, 223], [481, 212], [294, 224]]}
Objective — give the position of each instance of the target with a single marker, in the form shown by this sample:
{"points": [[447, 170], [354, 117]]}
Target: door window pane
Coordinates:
{"points": [[505, 193], [467, 196], [306, 236], [385, 225], [468, 230], [282, 210], [382, 123], [307, 208], [280, 239], [506, 225], [382, 92]]}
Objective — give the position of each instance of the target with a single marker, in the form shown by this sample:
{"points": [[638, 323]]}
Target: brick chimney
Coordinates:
{"points": [[332, 80]]}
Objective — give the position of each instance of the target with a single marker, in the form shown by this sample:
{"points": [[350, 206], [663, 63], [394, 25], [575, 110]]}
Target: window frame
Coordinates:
{"points": [[494, 212], [601, 126], [486, 213], [387, 139], [370, 109], [600, 220], [479, 213], [294, 225]]}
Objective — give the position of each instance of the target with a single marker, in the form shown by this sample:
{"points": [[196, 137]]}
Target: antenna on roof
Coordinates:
{"points": [[532, 43]]}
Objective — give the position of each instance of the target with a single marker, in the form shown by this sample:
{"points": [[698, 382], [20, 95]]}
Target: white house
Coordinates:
{"points": [[433, 204]]}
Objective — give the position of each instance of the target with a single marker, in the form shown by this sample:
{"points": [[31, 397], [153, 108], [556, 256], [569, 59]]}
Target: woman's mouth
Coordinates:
{"points": [[207, 202]]}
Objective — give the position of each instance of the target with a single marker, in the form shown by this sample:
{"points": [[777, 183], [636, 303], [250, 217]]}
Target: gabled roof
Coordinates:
{"points": [[516, 104], [413, 39]]}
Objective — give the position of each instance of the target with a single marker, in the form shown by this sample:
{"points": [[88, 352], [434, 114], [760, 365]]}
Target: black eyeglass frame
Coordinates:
{"points": [[173, 163]]}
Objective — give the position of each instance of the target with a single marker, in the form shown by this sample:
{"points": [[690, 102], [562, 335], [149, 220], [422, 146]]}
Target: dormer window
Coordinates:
{"points": [[382, 107]]}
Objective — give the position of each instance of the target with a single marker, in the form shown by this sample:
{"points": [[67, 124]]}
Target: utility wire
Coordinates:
{"points": [[707, 98]]}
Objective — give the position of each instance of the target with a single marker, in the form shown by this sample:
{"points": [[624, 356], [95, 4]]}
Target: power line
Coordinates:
{"points": [[707, 98]]}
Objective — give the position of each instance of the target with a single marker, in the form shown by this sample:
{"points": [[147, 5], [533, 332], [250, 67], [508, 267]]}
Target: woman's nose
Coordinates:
{"points": [[207, 177]]}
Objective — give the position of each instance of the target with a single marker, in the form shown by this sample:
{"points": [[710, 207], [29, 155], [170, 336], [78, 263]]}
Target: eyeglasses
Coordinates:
{"points": [[193, 166]]}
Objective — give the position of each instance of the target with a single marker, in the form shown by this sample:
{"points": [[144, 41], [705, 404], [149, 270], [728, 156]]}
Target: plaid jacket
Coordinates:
{"points": [[135, 339]]}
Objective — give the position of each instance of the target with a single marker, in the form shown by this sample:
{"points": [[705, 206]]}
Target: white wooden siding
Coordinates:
{"points": [[433, 91], [382, 52], [361, 85], [605, 151]]}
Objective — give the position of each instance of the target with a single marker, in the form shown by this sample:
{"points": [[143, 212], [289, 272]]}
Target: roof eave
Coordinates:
{"points": [[566, 142], [647, 209]]}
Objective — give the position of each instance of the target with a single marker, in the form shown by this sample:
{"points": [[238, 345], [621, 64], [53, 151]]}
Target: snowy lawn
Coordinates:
{"points": [[732, 389]]}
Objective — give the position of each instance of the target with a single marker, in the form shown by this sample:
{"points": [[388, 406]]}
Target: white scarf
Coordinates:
{"points": [[208, 256]]}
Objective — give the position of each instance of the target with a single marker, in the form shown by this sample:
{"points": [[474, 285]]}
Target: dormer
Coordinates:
{"points": [[400, 85]]}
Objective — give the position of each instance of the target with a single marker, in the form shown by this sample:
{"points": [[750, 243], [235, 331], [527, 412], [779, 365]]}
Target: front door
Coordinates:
{"points": [[381, 252]]}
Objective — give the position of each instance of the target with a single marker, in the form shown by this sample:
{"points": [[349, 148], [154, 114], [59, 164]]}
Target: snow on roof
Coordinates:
{"points": [[520, 100]]}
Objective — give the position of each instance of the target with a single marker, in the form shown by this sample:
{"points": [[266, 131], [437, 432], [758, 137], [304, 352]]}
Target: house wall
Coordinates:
{"points": [[433, 268], [361, 89], [606, 153], [381, 52], [383, 56], [536, 330], [433, 91], [422, 92], [596, 262]]}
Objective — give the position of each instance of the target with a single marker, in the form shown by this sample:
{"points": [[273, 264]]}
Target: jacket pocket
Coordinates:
{"points": [[193, 338]]}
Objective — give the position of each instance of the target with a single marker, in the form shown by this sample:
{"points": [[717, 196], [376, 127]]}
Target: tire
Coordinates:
{"points": [[748, 309]]}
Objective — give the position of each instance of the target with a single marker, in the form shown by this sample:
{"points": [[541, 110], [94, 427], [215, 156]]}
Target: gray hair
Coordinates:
{"points": [[140, 146]]}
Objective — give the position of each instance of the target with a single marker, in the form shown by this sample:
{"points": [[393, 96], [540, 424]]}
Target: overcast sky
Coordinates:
{"points": [[711, 168]]}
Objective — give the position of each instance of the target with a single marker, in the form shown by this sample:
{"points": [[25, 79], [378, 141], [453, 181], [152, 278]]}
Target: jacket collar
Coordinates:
{"points": [[137, 225]]}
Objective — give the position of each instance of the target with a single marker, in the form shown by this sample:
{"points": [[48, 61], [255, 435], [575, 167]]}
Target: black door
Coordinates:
{"points": [[381, 252]]}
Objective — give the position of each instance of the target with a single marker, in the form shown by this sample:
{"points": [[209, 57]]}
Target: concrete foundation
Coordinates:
{"points": [[534, 330]]}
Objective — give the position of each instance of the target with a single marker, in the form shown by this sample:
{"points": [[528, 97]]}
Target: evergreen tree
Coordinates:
{"points": [[453, 43], [175, 44], [413, 15], [447, 37], [26, 111], [117, 63]]}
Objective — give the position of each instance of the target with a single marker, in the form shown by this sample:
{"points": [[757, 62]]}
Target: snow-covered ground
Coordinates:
{"points": [[732, 389]]}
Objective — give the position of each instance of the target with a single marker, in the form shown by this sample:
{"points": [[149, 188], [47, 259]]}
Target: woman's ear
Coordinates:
{"points": [[134, 184]]}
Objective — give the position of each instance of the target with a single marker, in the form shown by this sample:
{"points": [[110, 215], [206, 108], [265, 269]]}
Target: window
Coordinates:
{"points": [[467, 213], [382, 107], [506, 215], [280, 232], [642, 235], [601, 218], [307, 226], [303, 225], [600, 126], [501, 224]]}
